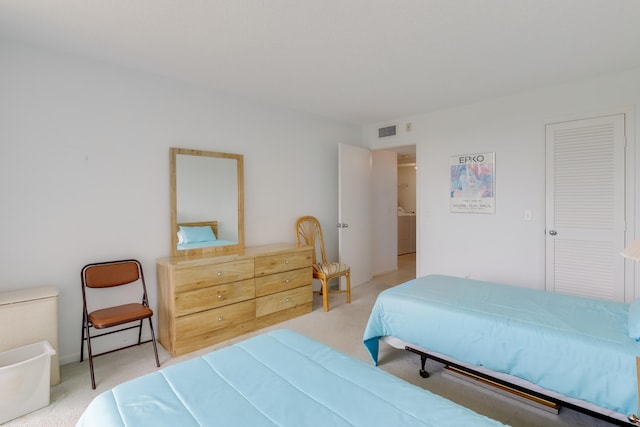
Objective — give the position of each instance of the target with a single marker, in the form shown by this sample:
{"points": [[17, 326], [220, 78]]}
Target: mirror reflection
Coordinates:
{"points": [[207, 208]]}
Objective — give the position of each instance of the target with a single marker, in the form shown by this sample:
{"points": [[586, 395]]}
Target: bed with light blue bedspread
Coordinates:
{"points": [[578, 347], [280, 378]]}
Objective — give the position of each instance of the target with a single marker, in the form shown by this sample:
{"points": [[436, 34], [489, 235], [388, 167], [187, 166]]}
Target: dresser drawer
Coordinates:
{"points": [[214, 296], [283, 300], [213, 274], [214, 319], [282, 262], [279, 282]]}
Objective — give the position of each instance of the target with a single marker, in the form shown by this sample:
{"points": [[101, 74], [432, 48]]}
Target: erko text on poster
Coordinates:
{"points": [[477, 158]]}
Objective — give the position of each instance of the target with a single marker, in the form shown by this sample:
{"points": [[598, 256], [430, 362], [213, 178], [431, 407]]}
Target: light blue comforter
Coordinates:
{"points": [[575, 346], [277, 379]]}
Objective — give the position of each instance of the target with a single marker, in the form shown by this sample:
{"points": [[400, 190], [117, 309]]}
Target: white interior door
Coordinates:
{"points": [[354, 211], [585, 218]]}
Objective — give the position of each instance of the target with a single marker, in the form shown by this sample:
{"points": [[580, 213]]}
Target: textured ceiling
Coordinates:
{"points": [[357, 61]]}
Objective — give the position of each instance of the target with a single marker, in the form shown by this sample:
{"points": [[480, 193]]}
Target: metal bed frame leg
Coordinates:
{"points": [[423, 371], [423, 361]]}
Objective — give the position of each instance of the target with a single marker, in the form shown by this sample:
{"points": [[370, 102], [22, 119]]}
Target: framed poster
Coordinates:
{"points": [[473, 183]]}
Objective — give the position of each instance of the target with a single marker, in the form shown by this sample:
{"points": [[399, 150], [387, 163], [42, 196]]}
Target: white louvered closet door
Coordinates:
{"points": [[585, 192]]}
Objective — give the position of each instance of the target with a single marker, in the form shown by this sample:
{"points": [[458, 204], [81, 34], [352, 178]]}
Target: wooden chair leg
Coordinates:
{"points": [[325, 295], [348, 288]]}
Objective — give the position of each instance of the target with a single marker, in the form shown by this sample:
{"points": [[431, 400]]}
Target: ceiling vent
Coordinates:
{"points": [[386, 131]]}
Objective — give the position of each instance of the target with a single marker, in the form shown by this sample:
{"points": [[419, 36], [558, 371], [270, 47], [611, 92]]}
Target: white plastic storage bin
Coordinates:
{"points": [[24, 379]]}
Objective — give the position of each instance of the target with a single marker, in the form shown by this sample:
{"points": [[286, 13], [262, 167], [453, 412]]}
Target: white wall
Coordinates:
{"points": [[84, 168], [502, 246]]}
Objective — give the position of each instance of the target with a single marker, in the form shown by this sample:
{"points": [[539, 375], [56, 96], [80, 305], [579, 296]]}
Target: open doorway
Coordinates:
{"points": [[393, 207], [406, 165]]}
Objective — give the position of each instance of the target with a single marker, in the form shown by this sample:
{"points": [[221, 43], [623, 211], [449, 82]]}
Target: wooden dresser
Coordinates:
{"points": [[203, 301]]}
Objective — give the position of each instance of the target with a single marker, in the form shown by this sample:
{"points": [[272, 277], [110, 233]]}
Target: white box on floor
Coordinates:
{"points": [[24, 379]]}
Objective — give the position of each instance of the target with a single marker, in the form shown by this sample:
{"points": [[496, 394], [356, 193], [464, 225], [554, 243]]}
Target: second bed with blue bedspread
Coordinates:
{"points": [[578, 347]]}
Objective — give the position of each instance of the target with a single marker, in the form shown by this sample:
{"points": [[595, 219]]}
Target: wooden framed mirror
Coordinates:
{"points": [[207, 203]]}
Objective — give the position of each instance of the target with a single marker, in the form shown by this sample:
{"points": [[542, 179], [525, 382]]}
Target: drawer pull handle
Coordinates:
{"points": [[219, 318], [219, 296], [219, 274], [286, 261], [286, 281], [287, 299]]}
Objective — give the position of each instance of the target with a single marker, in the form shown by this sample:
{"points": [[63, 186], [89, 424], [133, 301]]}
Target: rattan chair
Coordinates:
{"points": [[98, 279], [309, 232]]}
